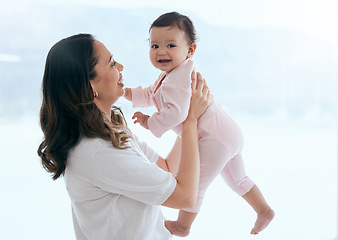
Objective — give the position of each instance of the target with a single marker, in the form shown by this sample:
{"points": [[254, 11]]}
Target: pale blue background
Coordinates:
{"points": [[271, 64]]}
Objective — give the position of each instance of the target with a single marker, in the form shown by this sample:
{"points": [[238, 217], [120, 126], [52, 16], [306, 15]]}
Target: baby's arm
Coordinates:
{"points": [[142, 97], [175, 100]]}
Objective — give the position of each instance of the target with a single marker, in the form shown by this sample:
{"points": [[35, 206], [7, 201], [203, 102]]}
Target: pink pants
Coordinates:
{"points": [[220, 144]]}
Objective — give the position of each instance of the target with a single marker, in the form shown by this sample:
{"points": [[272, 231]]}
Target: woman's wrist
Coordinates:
{"points": [[190, 121]]}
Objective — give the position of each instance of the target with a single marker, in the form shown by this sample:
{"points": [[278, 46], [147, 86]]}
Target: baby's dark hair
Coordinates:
{"points": [[176, 19]]}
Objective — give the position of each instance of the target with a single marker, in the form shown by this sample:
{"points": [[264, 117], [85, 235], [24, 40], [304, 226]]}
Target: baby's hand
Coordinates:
{"points": [[141, 119], [127, 94]]}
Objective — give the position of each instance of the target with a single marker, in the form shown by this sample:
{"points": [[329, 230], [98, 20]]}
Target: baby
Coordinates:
{"points": [[172, 45]]}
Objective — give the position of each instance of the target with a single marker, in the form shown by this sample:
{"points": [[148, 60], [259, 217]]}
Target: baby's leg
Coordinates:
{"points": [[264, 213], [234, 175]]}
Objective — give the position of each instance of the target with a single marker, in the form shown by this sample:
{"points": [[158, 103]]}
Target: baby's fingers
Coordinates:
{"points": [[136, 115]]}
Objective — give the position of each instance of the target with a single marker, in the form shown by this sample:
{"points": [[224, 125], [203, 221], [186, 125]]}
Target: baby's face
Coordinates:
{"points": [[168, 47]]}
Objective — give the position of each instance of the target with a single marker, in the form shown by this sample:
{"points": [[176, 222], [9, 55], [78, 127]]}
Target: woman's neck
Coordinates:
{"points": [[107, 116], [105, 110]]}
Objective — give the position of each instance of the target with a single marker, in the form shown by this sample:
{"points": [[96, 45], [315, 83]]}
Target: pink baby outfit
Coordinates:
{"points": [[220, 139]]}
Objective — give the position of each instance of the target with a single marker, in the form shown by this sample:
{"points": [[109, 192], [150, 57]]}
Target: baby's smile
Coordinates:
{"points": [[164, 60]]}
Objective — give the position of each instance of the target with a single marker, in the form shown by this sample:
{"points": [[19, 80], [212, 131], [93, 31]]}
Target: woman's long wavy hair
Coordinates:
{"points": [[68, 110]]}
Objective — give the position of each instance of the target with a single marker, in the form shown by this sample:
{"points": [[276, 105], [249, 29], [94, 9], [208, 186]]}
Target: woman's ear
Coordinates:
{"points": [[191, 50], [93, 88], [91, 84]]}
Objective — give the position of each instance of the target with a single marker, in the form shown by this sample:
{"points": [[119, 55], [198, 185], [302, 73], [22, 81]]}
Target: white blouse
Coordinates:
{"points": [[117, 193]]}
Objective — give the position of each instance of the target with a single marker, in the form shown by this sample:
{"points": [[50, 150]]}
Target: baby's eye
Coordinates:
{"points": [[154, 46], [171, 45], [113, 63]]}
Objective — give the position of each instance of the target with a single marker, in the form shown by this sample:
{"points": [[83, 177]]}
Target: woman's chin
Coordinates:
{"points": [[123, 92]]}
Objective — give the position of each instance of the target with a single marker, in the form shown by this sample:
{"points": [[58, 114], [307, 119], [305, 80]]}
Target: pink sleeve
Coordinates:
{"points": [[175, 96], [141, 97]]}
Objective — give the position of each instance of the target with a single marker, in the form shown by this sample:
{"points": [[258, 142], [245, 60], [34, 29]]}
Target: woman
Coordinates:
{"points": [[115, 187]]}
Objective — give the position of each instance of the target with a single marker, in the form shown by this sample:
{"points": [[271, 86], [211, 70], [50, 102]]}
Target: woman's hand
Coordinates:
{"points": [[200, 96]]}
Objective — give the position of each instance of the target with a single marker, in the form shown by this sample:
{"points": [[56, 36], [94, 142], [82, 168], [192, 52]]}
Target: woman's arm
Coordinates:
{"points": [[170, 163], [185, 193]]}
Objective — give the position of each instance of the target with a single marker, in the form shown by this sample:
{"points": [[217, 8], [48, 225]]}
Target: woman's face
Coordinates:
{"points": [[108, 80]]}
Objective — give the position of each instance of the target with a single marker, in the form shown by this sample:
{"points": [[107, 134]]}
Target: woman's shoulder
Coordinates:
{"points": [[87, 148], [98, 146], [87, 142]]}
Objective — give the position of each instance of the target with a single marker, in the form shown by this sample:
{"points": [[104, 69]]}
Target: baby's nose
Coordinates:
{"points": [[161, 52]]}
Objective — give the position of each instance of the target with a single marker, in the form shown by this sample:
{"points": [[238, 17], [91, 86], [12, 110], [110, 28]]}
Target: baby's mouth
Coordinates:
{"points": [[164, 60]]}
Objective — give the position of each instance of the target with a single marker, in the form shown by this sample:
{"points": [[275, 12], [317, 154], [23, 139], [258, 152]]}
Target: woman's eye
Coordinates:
{"points": [[171, 45]]}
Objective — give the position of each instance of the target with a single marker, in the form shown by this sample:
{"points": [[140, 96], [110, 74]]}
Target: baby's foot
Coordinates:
{"points": [[263, 220], [176, 229]]}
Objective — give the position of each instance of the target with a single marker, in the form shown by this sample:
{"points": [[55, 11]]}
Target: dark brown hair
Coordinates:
{"points": [[176, 19], [68, 110]]}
